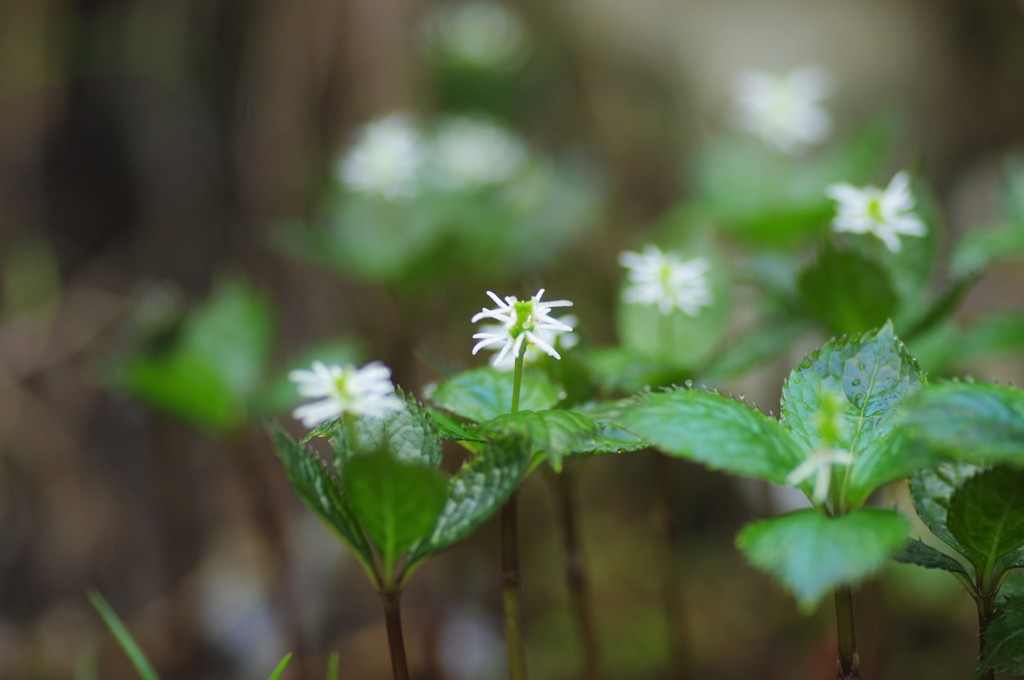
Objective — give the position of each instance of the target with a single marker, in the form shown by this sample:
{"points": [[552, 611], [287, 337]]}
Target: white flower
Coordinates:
{"points": [[385, 160], [888, 213], [520, 321], [665, 280], [473, 152], [564, 340], [819, 464], [784, 111], [365, 391]]}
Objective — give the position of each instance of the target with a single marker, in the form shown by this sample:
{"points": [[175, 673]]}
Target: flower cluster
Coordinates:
{"points": [[365, 391], [520, 322], [785, 110], [886, 213], [665, 280]]}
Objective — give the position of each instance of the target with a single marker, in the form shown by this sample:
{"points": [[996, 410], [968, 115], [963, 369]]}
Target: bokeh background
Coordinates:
{"points": [[154, 154]]}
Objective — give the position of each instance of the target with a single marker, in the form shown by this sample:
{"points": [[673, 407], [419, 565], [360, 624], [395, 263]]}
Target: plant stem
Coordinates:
{"points": [[575, 574], [986, 608], [672, 594], [510, 563], [396, 643], [849, 661]]}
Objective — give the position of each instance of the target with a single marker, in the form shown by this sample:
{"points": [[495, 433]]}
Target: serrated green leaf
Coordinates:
{"points": [[610, 436], [127, 643], [210, 374], [1004, 639], [811, 553], [873, 371], [476, 491], [407, 435], [715, 431], [980, 424], [986, 515], [319, 490], [894, 457], [397, 502], [451, 428], [923, 555], [931, 489], [280, 667], [847, 292], [481, 394], [554, 433]]}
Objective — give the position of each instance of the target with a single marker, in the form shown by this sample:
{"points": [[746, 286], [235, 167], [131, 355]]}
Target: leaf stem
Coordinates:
{"points": [[576, 574], [985, 599], [849, 660], [510, 577], [396, 642]]}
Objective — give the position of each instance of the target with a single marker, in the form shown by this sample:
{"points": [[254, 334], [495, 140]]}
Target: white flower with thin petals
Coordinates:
{"points": [[887, 213], [365, 391], [784, 110], [386, 159], [562, 339], [520, 322], [819, 465], [665, 280]]}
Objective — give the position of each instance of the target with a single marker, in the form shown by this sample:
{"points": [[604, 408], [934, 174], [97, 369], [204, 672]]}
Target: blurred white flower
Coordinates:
{"points": [[520, 321], [665, 280], [887, 213], [472, 152], [485, 34], [784, 110], [385, 159], [819, 464], [365, 391]]}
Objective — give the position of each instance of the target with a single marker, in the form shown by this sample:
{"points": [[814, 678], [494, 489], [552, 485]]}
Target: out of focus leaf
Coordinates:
{"points": [[847, 292], [554, 433], [481, 394]]}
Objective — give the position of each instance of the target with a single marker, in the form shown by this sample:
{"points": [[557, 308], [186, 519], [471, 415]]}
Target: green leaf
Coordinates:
{"points": [[481, 394], [755, 348], [894, 457], [407, 435], [476, 491], [319, 490], [986, 515], [979, 250], [610, 436], [210, 374], [397, 502], [1004, 639], [618, 369], [847, 292], [280, 667], [873, 371], [980, 424], [135, 654], [1012, 194], [811, 553], [715, 431], [931, 490], [554, 433], [923, 555], [451, 428]]}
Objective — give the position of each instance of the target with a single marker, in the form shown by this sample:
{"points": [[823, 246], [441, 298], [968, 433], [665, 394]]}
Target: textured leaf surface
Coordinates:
{"points": [[715, 431], [986, 515], [931, 490], [319, 490], [476, 491], [847, 292], [610, 435], [923, 555], [554, 433], [873, 371], [894, 457], [811, 553], [981, 424], [481, 394], [408, 435], [1004, 639], [397, 503]]}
